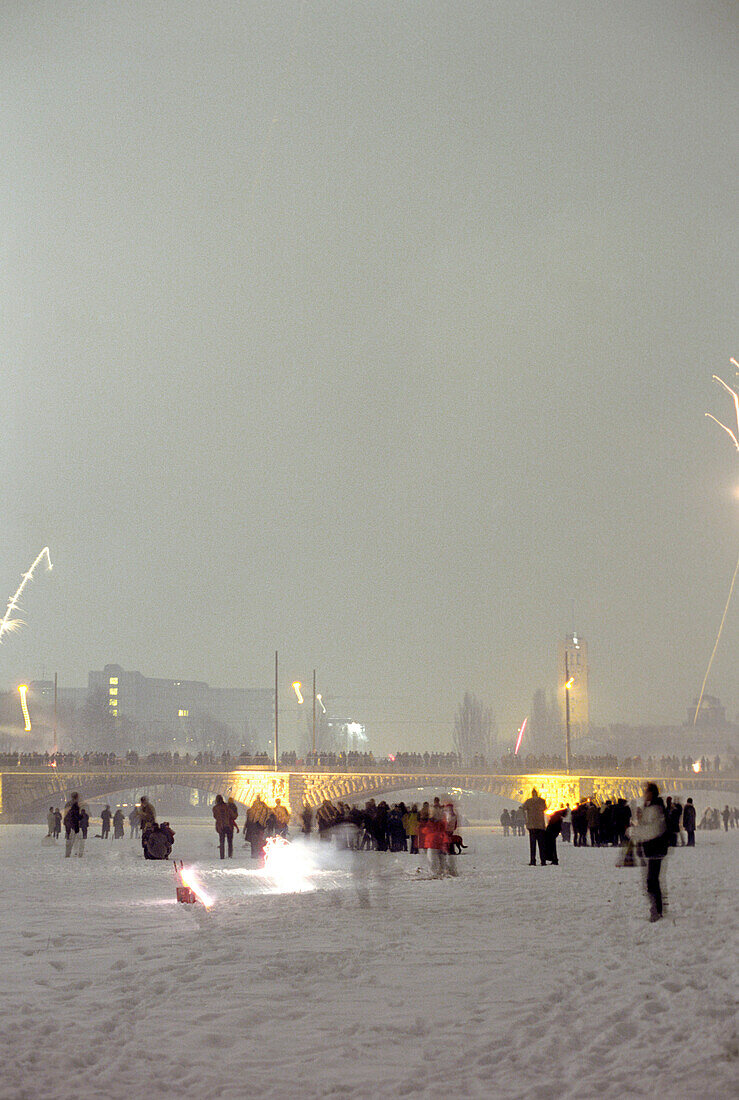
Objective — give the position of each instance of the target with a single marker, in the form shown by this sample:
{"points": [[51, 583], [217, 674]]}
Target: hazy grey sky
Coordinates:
{"points": [[377, 333]]}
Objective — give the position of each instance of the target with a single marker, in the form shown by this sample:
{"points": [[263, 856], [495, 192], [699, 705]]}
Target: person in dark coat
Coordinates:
{"points": [[72, 823], [552, 831], [689, 822], [224, 826], [105, 818], [118, 824], [57, 823]]}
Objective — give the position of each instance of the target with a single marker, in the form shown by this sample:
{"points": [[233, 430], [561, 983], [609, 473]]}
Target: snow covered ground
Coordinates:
{"points": [[508, 982]]}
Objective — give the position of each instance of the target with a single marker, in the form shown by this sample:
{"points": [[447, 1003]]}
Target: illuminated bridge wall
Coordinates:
{"points": [[25, 795]]}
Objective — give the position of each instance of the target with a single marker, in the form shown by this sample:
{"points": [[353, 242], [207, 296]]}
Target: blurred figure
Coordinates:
{"points": [[57, 823], [726, 815], [306, 820], [579, 825], [566, 824], [534, 808], [134, 820], [118, 824], [436, 845], [505, 822], [689, 822], [105, 819], [451, 824], [147, 813], [410, 824], [50, 822], [651, 834], [234, 811], [255, 827], [592, 817]]}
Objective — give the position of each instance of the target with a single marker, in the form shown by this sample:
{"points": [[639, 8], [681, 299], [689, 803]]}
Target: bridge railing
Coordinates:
{"points": [[527, 766]]}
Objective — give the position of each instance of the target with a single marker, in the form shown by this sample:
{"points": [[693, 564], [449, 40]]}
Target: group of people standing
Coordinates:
{"points": [[432, 829], [655, 828]]}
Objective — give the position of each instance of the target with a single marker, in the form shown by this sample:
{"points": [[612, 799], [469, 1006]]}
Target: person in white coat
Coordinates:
{"points": [[650, 832]]}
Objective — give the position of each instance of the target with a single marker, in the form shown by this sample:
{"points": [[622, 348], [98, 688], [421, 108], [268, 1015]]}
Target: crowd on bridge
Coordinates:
{"points": [[434, 762]]}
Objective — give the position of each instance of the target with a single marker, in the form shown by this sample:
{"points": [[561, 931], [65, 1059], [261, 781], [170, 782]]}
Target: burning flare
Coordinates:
{"points": [[190, 879], [23, 688]]}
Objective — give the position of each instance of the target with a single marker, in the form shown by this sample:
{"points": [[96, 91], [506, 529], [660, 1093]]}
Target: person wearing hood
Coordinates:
{"points": [[651, 833]]}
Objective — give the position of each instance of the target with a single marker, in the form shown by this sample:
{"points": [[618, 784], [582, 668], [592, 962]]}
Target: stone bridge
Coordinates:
{"points": [[25, 794]]}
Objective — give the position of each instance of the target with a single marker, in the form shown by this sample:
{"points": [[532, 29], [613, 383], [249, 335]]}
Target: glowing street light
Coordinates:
{"points": [[296, 688], [319, 697], [569, 681], [23, 688]]}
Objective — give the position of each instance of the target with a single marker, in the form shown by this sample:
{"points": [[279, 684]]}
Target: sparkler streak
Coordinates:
{"points": [[718, 639], [735, 397], [8, 625], [735, 440], [520, 736]]}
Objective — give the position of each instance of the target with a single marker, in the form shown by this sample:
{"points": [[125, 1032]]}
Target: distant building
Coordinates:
{"points": [[185, 715], [572, 664], [712, 714], [41, 694]]}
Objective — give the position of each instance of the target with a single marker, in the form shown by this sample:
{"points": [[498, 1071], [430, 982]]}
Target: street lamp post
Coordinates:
{"points": [[314, 713], [568, 684]]}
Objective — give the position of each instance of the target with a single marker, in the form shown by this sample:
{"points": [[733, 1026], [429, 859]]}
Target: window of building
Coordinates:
{"points": [[113, 680], [183, 713], [114, 713], [113, 691]]}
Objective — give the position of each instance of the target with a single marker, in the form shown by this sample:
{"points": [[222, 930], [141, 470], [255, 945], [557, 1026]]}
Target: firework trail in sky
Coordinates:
{"points": [[734, 435], [8, 625], [520, 736]]}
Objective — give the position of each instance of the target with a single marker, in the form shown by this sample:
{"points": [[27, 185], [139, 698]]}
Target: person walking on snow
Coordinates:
{"points": [[534, 808], [105, 818], [651, 833]]}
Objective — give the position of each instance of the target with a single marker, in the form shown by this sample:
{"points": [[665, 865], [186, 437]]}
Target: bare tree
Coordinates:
{"points": [[474, 726]]}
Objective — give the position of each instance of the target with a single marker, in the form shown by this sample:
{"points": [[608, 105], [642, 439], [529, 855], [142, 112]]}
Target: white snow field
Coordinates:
{"points": [[508, 982]]}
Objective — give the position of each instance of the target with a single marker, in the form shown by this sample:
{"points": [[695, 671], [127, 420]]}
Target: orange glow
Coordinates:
{"points": [[697, 766], [296, 688], [569, 683], [189, 878]]}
